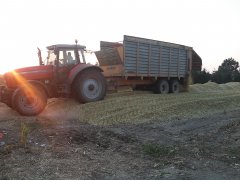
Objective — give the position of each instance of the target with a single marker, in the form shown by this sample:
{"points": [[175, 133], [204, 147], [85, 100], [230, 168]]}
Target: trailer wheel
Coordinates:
{"points": [[90, 86], [174, 86], [162, 87], [29, 100]]}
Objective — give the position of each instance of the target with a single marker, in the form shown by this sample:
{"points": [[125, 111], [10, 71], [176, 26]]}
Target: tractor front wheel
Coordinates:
{"points": [[29, 100]]}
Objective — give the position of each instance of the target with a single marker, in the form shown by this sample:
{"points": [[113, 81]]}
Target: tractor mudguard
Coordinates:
{"points": [[78, 69]]}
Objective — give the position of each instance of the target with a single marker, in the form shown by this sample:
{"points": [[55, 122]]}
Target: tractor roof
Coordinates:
{"points": [[66, 46]]}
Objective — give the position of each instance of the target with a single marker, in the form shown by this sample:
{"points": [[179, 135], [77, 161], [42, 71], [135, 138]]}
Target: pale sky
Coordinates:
{"points": [[211, 27]]}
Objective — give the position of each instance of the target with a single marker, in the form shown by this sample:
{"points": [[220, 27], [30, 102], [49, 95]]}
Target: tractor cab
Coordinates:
{"points": [[65, 58], [65, 55]]}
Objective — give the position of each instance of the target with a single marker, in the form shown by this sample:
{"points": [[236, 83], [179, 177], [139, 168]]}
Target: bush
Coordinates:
{"points": [[201, 76]]}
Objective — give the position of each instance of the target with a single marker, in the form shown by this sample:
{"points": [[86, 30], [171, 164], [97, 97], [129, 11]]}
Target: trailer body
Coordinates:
{"points": [[145, 61]]}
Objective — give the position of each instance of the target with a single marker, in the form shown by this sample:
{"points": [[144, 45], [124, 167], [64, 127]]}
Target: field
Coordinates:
{"points": [[129, 135]]}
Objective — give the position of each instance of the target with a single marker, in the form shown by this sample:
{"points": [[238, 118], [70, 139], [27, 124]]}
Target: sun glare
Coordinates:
{"points": [[29, 89], [6, 68]]}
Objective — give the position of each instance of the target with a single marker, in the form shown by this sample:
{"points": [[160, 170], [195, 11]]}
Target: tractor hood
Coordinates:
{"points": [[15, 77], [36, 72]]}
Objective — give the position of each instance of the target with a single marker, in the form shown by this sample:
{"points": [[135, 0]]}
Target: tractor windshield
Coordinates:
{"points": [[65, 57]]}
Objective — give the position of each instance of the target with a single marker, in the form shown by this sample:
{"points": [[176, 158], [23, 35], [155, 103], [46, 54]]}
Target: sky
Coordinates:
{"points": [[211, 27]]}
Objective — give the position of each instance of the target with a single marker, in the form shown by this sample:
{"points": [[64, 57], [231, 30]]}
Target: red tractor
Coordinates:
{"points": [[64, 74]]}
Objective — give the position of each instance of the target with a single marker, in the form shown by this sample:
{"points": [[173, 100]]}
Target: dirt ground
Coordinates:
{"points": [[206, 147]]}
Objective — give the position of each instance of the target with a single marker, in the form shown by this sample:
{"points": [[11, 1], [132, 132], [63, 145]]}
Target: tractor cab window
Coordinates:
{"points": [[81, 56], [67, 57], [51, 59]]}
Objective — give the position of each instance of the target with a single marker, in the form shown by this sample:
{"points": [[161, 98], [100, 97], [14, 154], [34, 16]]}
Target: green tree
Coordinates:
{"points": [[227, 72], [201, 76], [229, 65]]}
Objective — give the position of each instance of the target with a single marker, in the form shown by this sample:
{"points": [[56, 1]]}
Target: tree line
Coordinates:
{"points": [[228, 71]]}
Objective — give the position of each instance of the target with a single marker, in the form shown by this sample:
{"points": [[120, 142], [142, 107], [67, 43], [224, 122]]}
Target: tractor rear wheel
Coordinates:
{"points": [[89, 86], [29, 100]]}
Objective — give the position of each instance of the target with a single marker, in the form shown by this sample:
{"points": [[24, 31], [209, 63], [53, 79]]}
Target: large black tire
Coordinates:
{"points": [[162, 87], [174, 86], [89, 86], [29, 100]]}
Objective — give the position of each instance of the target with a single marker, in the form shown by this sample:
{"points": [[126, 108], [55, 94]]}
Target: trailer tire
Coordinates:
{"points": [[29, 100], [89, 86], [162, 87], [174, 86]]}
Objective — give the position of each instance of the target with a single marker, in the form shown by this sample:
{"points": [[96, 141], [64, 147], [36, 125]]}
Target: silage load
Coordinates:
{"points": [[214, 87], [138, 107]]}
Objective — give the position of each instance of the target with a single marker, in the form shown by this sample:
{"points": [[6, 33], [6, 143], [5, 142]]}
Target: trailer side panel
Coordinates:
{"points": [[144, 57]]}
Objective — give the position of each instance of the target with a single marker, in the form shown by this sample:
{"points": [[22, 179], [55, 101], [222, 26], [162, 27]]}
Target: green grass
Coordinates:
{"points": [[25, 130], [234, 152], [158, 150]]}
